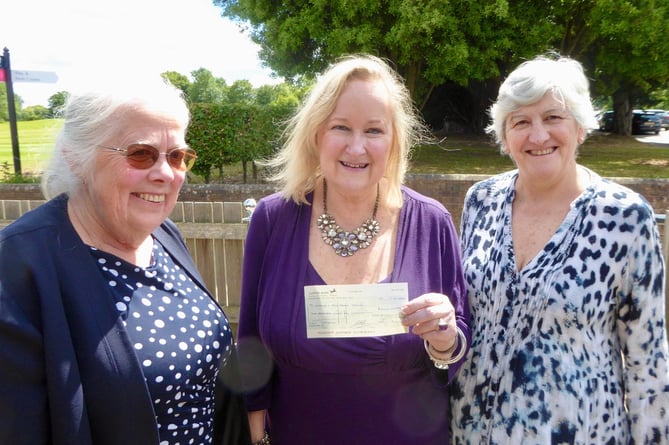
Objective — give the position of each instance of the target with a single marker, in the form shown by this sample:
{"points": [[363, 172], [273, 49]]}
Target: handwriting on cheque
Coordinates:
{"points": [[355, 310]]}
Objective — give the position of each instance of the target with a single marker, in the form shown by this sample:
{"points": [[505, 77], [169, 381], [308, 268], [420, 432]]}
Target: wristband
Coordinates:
{"points": [[444, 364]]}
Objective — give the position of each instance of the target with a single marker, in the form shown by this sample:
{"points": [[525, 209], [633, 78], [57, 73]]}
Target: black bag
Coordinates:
{"points": [[231, 425]]}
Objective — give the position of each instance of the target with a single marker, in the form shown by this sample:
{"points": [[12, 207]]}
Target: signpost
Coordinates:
{"points": [[7, 75], [7, 68], [34, 76]]}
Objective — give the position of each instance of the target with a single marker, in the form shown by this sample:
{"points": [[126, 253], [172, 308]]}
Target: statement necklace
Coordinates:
{"points": [[346, 243]]}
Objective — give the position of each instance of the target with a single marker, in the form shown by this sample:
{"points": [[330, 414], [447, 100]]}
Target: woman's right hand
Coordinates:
{"points": [[432, 317]]}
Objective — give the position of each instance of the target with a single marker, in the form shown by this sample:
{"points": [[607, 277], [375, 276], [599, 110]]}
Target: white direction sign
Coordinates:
{"points": [[34, 76]]}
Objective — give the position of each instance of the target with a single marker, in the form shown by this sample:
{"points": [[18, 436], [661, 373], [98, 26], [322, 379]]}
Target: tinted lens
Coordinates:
{"points": [[142, 156], [181, 158]]}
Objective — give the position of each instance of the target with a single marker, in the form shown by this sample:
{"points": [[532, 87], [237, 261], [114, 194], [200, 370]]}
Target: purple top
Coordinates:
{"points": [[348, 390]]}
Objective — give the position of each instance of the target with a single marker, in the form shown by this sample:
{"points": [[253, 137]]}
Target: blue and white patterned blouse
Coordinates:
{"points": [[572, 349]]}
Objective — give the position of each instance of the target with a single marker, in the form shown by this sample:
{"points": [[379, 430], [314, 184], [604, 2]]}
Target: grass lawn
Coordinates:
{"points": [[36, 139], [607, 154]]}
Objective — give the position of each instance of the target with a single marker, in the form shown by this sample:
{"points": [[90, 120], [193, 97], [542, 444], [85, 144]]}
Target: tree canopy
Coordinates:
{"points": [[465, 48], [4, 110], [57, 102], [233, 123]]}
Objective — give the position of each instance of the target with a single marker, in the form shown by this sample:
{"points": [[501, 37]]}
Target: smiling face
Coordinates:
{"points": [[355, 140], [542, 139], [121, 204]]}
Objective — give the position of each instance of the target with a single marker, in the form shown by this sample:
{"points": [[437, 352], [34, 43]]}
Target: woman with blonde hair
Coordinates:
{"points": [[343, 223]]}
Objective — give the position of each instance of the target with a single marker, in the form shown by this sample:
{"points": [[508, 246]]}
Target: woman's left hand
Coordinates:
{"points": [[432, 317]]}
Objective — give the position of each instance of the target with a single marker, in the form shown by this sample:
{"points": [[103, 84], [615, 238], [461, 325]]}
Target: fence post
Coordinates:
{"points": [[215, 233]]}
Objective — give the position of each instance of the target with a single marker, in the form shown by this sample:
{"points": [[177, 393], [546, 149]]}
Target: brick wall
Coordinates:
{"points": [[448, 189]]}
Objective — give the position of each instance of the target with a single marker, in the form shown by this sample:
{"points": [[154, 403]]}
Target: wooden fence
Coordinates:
{"points": [[215, 233]]}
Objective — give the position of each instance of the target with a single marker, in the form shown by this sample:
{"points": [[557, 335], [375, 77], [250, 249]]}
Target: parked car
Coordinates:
{"points": [[606, 121], [664, 117], [643, 121]]}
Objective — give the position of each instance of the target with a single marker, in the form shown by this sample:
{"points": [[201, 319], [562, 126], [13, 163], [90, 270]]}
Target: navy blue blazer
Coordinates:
{"points": [[68, 371]]}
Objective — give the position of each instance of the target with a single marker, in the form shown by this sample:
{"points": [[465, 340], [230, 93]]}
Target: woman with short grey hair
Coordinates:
{"points": [[108, 334], [565, 280]]}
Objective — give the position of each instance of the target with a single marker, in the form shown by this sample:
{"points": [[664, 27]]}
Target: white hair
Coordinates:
{"points": [[530, 81], [94, 115]]}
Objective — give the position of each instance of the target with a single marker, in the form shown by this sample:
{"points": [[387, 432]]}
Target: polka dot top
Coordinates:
{"points": [[180, 336]]}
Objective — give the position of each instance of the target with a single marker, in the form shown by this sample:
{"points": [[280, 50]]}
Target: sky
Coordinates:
{"points": [[82, 41]]}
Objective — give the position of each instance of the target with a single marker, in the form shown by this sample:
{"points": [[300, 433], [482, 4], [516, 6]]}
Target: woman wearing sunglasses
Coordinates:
{"points": [[107, 332]]}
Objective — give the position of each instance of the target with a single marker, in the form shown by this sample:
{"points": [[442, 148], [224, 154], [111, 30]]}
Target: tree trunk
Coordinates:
{"points": [[622, 113]]}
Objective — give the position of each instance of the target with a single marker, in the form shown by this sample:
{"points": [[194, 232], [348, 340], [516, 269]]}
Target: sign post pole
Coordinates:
{"points": [[11, 108]]}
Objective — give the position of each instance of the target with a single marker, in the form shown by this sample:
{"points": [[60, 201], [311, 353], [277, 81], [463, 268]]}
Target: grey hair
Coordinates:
{"points": [[296, 165], [531, 80], [96, 115]]}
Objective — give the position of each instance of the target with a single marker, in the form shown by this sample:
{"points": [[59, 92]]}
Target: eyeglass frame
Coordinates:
{"points": [[188, 153]]}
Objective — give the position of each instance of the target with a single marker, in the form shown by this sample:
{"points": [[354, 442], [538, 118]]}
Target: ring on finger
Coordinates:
{"points": [[442, 325]]}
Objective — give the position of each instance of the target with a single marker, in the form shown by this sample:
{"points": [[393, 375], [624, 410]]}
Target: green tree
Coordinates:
{"points": [[428, 41], [240, 92], [4, 113], [660, 98], [57, 103], [33, 113], [227, 133], [622, 44], [282, 95], [629, 57], [236, 123], [206, 134], [206, 88], [179, 80], [4, 110], [457, 52]]}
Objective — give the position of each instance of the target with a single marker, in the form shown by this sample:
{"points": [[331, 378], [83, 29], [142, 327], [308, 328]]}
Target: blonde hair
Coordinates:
{"points": [[296, 165]]}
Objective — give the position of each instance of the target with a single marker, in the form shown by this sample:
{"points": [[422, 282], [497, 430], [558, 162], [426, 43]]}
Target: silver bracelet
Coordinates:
{"points": [[264, 441], [443, 364]]}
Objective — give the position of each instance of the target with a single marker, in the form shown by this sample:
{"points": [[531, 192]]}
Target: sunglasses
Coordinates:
{"points": [[143, 156]]}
